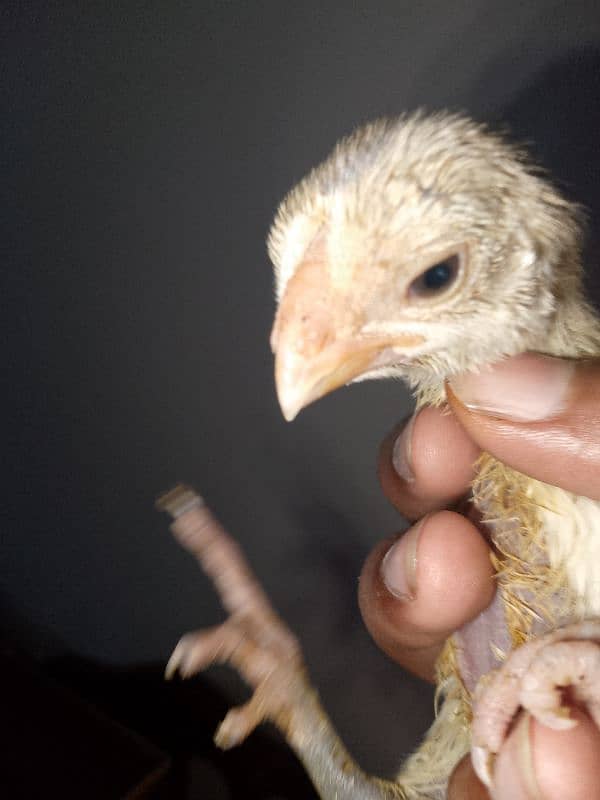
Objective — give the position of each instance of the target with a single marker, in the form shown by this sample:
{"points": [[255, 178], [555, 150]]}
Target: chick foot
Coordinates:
{"points": [[546, 676], [265, 662], [253, 639], [256, 642]]}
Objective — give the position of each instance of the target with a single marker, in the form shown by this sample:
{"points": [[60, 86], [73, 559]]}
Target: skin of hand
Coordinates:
{"points": [[541, 416]]}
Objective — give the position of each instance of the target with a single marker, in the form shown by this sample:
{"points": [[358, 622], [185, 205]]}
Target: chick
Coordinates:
{"points": [[423, 247]]}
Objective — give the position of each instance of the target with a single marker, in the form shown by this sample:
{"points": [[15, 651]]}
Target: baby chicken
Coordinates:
{"points": [[424, 247]]}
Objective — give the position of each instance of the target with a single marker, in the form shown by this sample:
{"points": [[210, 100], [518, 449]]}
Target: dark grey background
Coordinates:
{"points": [[147, 146]]}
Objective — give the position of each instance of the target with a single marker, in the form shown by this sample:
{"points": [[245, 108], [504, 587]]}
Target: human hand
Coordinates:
{"points": [[542, 417]]}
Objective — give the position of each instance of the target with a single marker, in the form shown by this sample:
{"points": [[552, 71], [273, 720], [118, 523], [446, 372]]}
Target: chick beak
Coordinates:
{"points": [[301, 379], [317, 342]]}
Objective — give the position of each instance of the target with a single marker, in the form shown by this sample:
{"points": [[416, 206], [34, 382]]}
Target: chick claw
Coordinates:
{"points": [[253, 639], [536, 677]]}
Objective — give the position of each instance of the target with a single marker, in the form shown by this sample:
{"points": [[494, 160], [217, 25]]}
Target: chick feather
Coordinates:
{"points": [[353, 245]]}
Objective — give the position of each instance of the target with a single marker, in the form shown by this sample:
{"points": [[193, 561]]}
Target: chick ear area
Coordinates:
{"points": [[436, 279]]}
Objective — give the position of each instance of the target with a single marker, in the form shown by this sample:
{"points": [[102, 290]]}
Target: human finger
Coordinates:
{"points": [[538, 762], [427, 464], [537, 414], [418, 589]]}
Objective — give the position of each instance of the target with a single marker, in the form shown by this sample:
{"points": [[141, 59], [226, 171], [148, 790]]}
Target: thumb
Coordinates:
{"points": [[536, 761], [537, 414]]}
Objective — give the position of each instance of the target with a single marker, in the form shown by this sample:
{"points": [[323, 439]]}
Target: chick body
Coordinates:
{"points": [[353, 247], [393, 198], [547, 560]]}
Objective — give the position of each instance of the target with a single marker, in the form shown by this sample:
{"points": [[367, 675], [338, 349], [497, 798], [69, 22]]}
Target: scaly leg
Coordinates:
{"points": [[267, 655], [535, 677]]}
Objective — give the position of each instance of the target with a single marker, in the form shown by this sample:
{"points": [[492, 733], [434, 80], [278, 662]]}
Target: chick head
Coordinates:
{"points": [[421, 247]]}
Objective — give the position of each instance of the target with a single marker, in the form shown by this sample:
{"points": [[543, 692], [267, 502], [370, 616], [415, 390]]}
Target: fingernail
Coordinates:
{"points": [[399, 566], [514, 773], [525, 388], [402, 452]]}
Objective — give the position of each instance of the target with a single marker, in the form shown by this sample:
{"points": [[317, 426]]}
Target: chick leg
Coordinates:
{"points": [[536, 677], [267, 655]]}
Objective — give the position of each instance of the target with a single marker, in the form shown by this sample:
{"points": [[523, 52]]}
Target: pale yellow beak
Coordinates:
{"points": [[317, 342], [300, 382]]}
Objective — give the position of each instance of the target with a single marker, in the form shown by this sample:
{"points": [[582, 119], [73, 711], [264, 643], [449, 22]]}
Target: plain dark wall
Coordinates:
{"points": [[147, 146]]}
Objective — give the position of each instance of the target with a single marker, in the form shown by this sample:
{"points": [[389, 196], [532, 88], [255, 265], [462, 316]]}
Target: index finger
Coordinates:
{"points": [[537, 414]]}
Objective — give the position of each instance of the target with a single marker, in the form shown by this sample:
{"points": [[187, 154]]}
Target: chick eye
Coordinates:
{"points": [[436, 279]]}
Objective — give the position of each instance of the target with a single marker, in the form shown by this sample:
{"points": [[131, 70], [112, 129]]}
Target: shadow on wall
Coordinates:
{"points": [[559, 114]]}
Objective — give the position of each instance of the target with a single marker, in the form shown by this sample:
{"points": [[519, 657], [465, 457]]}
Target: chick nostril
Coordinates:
{"points": [[313, 338]]}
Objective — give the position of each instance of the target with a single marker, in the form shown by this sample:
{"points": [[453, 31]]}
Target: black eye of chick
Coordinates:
{"points": [[436, 279]]}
